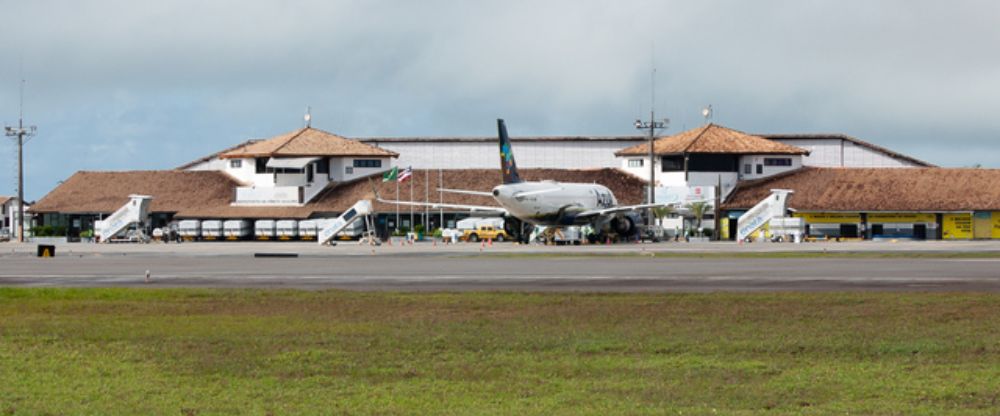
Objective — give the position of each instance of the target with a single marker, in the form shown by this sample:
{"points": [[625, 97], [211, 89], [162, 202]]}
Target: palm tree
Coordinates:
{"points": [[698, 210], [662, 212]]}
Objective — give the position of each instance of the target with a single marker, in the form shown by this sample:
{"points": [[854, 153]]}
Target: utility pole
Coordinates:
{"points": [[20, 132], [652, 125]]}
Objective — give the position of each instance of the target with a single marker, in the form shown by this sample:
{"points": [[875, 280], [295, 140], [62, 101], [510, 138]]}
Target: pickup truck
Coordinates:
{"points": [[485, 232]]}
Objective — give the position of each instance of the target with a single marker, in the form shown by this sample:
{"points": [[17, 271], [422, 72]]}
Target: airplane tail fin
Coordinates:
{"points": [[507, 164]]}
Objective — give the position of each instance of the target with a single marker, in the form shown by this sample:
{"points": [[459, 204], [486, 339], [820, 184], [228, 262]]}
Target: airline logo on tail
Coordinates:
{"points": [[507, 164]]}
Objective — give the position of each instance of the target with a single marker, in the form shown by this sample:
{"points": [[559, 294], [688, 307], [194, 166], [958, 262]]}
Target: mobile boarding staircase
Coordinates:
{"points": [[329, 229], [769, 216], [133, 212]]}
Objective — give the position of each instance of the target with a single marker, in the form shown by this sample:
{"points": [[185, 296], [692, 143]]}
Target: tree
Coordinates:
{"points": [[662, 212], [698, 210]]}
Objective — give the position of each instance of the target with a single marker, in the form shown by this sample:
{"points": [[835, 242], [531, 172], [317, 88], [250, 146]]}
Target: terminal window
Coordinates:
{"points": [[672, 163], [367, 163], [635, 163], [771, 161], [323, 166]]}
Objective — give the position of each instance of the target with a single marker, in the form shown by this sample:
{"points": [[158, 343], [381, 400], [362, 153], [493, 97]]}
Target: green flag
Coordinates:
{"points": [[390, 175]]}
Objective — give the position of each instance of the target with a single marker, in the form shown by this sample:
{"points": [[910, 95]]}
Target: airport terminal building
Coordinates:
{"points": [[843, 187]]}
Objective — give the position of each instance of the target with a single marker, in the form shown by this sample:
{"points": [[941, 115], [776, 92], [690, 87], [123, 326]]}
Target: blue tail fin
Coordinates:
{"points": [[507, 164]]}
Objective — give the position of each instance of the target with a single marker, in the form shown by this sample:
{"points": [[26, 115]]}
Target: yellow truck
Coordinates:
{"points": [[485, 232]]}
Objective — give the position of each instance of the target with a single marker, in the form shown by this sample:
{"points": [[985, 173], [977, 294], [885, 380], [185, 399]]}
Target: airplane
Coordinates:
{"points": [[551, 204]]}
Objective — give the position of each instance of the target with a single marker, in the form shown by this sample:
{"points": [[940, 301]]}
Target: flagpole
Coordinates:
{"points": [[441, 194], [397, 204], [412, 224], [427, 198]]}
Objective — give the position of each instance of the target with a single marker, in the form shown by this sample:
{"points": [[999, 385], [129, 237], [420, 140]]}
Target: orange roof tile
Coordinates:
{"points": [[877, 189], [173, 191], [712, 138], [306, 142]]}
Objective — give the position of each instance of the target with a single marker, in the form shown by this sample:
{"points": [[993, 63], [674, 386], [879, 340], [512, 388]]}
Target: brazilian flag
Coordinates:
{"points": [[391, 175]]}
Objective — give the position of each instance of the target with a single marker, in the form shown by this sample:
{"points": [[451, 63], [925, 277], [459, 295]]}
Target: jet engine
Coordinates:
{"points": [[625, 225]]}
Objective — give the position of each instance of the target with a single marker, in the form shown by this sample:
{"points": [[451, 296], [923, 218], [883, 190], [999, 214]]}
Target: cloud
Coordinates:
{"points": [[178, 79]]}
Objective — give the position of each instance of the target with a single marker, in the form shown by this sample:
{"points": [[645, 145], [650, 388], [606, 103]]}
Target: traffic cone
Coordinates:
{"points": [[490, 242], [608, 241], [390, 241], [435, 242]]}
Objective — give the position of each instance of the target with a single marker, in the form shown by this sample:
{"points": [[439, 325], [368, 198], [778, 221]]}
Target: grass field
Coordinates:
{"points": [[187, 352]]}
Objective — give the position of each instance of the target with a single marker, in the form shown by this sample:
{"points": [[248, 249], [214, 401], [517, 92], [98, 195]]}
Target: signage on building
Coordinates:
{"points": [[901, 217], [956, 226], [685, 194], [996, 225], [829, 217]]}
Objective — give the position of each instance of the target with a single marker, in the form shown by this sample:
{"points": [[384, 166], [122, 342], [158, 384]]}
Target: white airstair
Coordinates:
{"points": [[135, 211], [760, 215], [329, 229]]}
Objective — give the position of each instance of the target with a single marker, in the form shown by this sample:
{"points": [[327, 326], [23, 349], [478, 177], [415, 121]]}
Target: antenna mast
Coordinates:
{"points": [[20, 132], [652, 125]]}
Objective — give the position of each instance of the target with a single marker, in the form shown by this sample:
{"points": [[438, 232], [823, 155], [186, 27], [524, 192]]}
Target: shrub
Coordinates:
{"points": [[49, 231]]}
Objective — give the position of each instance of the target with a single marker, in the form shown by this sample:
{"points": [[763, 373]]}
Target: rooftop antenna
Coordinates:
{"points": [[707, 113], [308, 117], [652, 125], [20, 132]]}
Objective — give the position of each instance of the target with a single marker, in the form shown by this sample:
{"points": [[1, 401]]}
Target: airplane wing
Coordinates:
{"points": [[435, 205], [465, 192], [473, 208], [613, 210]]}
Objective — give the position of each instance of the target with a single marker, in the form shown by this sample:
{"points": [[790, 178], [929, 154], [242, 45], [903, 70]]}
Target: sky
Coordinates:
{"points": [[129, 85]]}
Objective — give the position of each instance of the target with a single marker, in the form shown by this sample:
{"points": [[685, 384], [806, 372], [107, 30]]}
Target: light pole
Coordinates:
{"points": [[652, 125], [20, 132]]}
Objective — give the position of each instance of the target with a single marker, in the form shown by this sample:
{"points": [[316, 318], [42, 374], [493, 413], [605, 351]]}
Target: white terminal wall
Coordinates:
{"points": [[828, 153], [728, 180], [758, 160], [343, 169], [581, 154]]}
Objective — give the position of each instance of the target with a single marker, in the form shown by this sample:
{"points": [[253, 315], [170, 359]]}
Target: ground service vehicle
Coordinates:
{"points": [[485, 232]]}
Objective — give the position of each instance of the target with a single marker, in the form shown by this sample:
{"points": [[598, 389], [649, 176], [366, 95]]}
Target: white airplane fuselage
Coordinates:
{"points": [[551, 203]]}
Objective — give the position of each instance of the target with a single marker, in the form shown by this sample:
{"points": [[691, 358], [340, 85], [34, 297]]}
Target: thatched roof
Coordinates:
{"points": [[713, 138], [105, 192], [877, 189], [306, 142], [208, 194]]}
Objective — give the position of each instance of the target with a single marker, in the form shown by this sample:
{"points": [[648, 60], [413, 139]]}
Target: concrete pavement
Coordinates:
{"points": [[424, 267]]}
